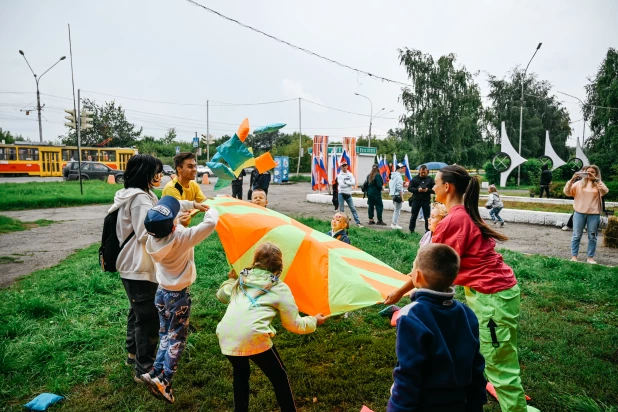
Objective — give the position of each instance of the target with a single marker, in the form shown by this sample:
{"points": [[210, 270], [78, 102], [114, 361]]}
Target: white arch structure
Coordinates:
{"points": [[516, 159], [579, 153], [551, 153]]}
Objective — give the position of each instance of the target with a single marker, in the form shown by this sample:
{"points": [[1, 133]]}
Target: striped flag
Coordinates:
{"points": [[407, 171]]}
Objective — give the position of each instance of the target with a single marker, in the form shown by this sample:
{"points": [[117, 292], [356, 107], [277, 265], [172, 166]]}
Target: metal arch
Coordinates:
{"points": [[501, 161], [546, 160], [575, 164]]}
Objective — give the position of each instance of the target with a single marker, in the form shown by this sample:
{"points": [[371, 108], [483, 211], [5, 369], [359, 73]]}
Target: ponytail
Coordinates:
{"points": [[470, 187]]}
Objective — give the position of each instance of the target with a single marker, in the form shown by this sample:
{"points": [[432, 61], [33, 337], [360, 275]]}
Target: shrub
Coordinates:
{"points": [[610, 235], [491, 174]]}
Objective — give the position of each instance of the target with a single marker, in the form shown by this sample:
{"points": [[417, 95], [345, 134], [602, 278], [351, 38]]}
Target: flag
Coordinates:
{"points": [[407, 171], [346, 158], [321, 172], [394, 162], [315, 180], [335, 167], [325, 275]]}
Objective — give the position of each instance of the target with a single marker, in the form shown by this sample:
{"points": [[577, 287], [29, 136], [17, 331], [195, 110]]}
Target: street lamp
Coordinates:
{"points": [[521, 108], [370, 117], [38, 95], [583, 115]]}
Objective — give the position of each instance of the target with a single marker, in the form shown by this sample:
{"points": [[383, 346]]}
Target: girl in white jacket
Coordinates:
{"points": [[245, 332]]}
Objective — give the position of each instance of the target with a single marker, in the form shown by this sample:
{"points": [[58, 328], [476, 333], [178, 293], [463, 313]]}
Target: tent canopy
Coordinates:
{"points": [[433, 165]]}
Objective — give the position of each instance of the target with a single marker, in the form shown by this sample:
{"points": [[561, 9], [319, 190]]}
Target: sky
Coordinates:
{"points": [[143, 52]]}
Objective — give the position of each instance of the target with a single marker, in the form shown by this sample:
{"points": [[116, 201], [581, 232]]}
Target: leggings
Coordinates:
{"points": [[270, 363]]}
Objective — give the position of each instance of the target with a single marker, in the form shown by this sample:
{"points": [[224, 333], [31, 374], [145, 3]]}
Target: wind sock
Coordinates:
{"points": [[407, 171], [325, 275]]}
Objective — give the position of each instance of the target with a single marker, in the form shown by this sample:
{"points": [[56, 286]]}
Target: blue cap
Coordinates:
{"points": [[159, 220]]}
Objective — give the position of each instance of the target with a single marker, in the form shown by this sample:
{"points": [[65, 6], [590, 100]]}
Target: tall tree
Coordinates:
{"points": [[9, 138], [541, 112], [602, 96], [444, 110], [109, 121]]}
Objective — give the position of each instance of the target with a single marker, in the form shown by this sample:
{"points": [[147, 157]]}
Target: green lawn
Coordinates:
{"points": [[8, 224], [62, 331], [41, 195]]}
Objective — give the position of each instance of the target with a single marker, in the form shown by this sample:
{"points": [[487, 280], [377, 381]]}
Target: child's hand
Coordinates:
{"points": [[200, 207], [320, 318], [232, 274], [393, 298], [184, 219]]}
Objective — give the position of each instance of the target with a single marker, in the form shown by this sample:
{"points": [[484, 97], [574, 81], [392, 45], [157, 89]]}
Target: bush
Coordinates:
{"points": [[530, 173], [491, 174], [610, 235]]}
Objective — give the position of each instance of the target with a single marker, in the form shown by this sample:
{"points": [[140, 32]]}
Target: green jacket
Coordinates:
{"points": [[246, 326], [375, 187]]}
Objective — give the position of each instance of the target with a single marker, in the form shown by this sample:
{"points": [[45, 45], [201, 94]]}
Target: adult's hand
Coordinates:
{"points": [[393, 298], [575, 176], [200, 207]]}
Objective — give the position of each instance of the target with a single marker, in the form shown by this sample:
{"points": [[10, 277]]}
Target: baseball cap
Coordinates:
{"points": [[343, 163], [400, 165], [159, 221]]}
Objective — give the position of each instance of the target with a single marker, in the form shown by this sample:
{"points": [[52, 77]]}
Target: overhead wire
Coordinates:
{"points": [[298, 47]]}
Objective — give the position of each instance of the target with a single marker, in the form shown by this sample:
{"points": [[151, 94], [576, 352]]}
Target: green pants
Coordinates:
{"points": [[497, 314]]}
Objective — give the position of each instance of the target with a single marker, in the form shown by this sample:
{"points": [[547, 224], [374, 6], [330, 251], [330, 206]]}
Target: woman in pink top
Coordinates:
{"points": [[587, 205]]}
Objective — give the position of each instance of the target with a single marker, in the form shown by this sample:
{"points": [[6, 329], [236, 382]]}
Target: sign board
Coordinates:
{"points": [[177, 149], [196, 142], [361, 150], [282, 169]]}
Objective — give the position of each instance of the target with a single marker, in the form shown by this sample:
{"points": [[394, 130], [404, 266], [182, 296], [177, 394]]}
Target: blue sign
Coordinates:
{"points": [[282, 169], [177, 149], [196, 142]]}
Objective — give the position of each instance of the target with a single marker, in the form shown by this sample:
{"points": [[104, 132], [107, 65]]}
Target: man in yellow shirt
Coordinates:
{"points": [[184, 186]]}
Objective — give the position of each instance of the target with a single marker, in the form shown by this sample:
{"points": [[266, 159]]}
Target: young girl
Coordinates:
{"points": [[438, 212], [339, 227], [245, 331], [490, 285], [495, 204]]}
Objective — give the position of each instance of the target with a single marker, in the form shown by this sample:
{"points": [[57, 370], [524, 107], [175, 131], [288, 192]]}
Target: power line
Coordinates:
{"points": [[298, 47], [345, 111]]}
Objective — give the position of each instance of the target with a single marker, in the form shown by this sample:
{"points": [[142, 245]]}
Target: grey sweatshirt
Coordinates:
{"points": [[173, 255], [346, 182]]}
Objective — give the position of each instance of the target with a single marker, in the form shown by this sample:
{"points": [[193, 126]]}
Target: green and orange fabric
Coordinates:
{"points": [[325, 275]]}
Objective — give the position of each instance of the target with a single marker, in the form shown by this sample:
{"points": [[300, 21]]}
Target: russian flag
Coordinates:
{"points": [[335, 167], [315, 180], [394, 162], [407, 171], [322, 173], [346, 158]]}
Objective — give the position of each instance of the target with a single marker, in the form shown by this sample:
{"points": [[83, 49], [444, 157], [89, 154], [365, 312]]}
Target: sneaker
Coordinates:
{"points": [[380, 223], [164, 387], [130, 360], [573, 258], [394, 226], [565, 228], [371, 222], [591, 261], [494, 222], [147, 379], [501, 224], [359, 224]]}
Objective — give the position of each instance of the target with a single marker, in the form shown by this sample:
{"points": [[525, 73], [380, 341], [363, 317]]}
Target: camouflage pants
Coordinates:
{"points": [[174, 311]]}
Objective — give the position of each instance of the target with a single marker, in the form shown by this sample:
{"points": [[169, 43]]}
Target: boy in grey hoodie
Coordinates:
{"points": [[395, 189], [171, 247]]}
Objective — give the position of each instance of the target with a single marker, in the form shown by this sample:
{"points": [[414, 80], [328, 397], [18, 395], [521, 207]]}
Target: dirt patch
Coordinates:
{"points": [[79, 227]]}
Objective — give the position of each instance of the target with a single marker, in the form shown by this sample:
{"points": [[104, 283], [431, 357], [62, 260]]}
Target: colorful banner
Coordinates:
{"points": [[319, 162]]}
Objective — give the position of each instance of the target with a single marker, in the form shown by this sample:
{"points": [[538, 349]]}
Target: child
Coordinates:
{"points": [[438, 212], [439, 366], [495, 204], [171, 248], [339, 227], [245, 331], [259, 197]]}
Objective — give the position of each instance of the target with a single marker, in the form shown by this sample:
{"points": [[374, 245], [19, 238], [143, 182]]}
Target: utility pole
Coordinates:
{"points": [[207, 133], [300, 139], [370, 116], [79, 142]]}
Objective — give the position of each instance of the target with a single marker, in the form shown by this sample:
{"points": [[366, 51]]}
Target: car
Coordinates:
{"points": [[204, 170], [92, 170], [168, 170]]}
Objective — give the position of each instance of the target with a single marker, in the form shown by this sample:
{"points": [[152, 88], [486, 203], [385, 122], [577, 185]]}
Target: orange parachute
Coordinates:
{"points": [[325, 275]]}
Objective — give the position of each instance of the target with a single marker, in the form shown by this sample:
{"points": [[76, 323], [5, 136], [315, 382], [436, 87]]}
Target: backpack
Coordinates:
{"points": [[365, 186], [110, 246]]}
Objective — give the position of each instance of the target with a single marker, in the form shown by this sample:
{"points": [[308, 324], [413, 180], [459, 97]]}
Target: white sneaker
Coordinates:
{"points": [[394, 226], [565, 228]]}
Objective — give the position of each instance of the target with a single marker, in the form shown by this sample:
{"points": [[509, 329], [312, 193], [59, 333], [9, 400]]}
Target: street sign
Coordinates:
{"points": [[196, 142], [177, 149]]}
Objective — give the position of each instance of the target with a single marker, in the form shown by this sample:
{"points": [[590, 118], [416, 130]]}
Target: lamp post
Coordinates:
{"points": [[370, 117], [38, 95], [521, 108], [583, 116]]}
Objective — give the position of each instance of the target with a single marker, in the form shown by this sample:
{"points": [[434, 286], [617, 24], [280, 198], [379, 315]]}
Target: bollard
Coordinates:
{"points": [[111, 179]]}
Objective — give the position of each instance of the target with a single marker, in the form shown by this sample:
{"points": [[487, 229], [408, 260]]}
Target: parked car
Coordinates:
{"points": [[92, 170], [168, 170], [201, 171]]}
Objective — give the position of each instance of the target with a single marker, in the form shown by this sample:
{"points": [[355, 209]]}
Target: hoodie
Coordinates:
{"points": [[246, 328], [395, 186], [346, 182], [173, 255]]}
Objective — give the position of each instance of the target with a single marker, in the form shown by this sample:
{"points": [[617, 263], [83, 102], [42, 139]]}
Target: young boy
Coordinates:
{"points": [[439, 365], [171, 248], [259, 197]]}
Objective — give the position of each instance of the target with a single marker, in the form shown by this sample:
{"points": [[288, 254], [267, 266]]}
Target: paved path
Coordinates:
{"points": [[79, 227]]}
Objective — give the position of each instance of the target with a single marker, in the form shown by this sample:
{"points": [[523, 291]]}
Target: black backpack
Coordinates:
{"points": [[110, 247], [365, 186]]}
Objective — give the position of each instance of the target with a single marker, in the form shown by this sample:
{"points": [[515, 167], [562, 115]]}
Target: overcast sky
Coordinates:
{"points": [[173, 51]]}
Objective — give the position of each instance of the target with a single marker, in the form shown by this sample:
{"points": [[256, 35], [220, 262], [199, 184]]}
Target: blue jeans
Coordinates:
{"points": [[174, 311], [494, 213], [579, 221], [397, 212], [350, 203]]}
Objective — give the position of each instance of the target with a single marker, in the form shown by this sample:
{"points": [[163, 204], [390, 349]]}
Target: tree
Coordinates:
{"points": [[601, 94], [444, 110], [109, 121], [9, 138], [170, 136], [541, 112]]}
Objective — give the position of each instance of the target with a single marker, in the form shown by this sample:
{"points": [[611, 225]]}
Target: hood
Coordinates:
{"points": [[395, 174], [257, 277], [126, 195], [158, 248]]}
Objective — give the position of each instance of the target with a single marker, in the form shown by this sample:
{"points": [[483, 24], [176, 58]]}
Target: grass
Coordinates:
{"points": [[62, 331], [42, 195], [300, 178], [8, 224]]}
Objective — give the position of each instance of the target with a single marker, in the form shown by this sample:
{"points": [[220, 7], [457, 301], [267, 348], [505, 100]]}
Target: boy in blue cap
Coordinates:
{"points": [[171, 248], [439, 365]]}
